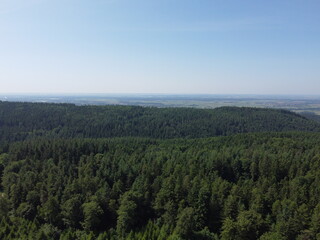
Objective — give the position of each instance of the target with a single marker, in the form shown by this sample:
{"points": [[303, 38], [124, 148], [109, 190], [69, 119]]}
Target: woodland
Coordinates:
{"points": [[144, 173]]}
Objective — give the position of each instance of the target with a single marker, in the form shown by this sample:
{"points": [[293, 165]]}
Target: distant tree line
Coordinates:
{"points": [[20, 121], [311, 115]]}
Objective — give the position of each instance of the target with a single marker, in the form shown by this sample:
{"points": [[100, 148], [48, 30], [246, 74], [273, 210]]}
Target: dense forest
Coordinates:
{"points": [[311, 115], [132, 173], [20, 121]]}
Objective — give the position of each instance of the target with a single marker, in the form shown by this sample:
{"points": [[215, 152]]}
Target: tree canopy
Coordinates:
{"points": [[256, 185]]}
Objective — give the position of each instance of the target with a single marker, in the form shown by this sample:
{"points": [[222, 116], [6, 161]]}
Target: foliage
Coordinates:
{"points": [[61, 185], [20, 121]]}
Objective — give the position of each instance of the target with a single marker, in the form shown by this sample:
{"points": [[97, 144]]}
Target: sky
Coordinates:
{"points": [[160, 46]]}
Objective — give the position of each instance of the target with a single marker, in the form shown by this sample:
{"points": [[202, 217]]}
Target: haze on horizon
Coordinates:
{"points": [[160, 46]]}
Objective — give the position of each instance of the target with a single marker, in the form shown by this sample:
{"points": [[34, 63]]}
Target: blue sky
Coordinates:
{"points": [[160, 46]]}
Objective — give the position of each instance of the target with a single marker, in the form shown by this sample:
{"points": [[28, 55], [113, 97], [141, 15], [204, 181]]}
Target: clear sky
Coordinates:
{"points": [[160, 46]]}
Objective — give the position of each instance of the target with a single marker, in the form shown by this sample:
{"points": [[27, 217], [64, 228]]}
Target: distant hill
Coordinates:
{"points": [[19, 121], [311, 115]]}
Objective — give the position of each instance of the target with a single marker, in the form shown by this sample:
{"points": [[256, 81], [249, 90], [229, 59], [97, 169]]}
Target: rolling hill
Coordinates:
{"points": [[19, 121]]}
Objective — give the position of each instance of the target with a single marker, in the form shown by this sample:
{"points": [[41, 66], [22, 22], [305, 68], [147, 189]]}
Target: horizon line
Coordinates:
{"points": [[154, 94]]}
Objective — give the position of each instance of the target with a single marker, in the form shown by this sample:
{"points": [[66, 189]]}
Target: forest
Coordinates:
{"points": [[135, 173], [21, 121]]}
